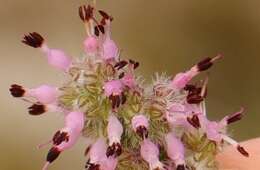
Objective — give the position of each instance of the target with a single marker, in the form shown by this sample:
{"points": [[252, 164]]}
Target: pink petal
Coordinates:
{"points": [[110, 50], [44, 94], [114, 87], [57, 58], [91, 45], [128, 80], [114, 129], [75, 120], [97, 151], [175, 148], [139, 120]]}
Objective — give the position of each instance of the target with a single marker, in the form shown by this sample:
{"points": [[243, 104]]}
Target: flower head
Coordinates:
{"points": [[102, 99]]}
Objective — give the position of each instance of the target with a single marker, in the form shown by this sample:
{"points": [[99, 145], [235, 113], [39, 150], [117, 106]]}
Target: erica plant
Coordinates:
{"points": [[132, 125]]}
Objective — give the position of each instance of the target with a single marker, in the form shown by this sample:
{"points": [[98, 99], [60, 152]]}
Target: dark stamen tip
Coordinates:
{"points": [[96, 31], [53, 154], [204, 64], [142, 132], [33, 39], [37, 109], [101, 29], [180, 167], [120, 64], [242, 151], [17, 90], [115, 149], [104, 14], [194, 99], [194, 121], [86, 12], [121, 75], [235, 117], [87, 150], [136, 65], [60, 137]]}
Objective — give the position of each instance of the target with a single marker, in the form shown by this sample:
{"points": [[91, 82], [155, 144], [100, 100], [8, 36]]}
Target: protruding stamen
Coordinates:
{"points": [[17, 90], [142, 132], [134, 63], [37, 109], [44, 144], [96, 31], [101, 29], [121, 75], [204, 88], [207, 63], [91, 166], [87, 150], [194, 121], [120, 64], [194, 99], [53, 154], [33, 39], [180, 167], [86, 13], [235, 116], [235, 144], [115, 149], [242, 151], [60, 137], [105, 15]]}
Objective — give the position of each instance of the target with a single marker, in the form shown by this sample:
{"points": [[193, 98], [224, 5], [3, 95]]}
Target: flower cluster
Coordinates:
{"points": [[132, 126]]}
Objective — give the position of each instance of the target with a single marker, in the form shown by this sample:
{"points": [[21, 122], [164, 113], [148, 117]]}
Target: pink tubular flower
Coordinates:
{"points": [[44, 94], [98, 158], [113, 87], [114, 132], [66, 137], [109, 163], [75, 120], [178, 113], [39, 108], [97, 151], [91, 45], [110, 50], [150, 153], [181, 79], [56, 58], [140, 125], [175, 150]]}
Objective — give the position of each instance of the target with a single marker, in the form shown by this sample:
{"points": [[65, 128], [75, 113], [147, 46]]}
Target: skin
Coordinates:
{"points": [[230, 159]]}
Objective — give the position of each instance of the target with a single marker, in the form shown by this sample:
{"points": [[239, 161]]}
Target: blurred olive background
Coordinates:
{"points": [[165, 36]]}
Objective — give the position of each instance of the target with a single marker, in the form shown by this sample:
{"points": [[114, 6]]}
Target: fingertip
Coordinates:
{"points": [[231, 159]]}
